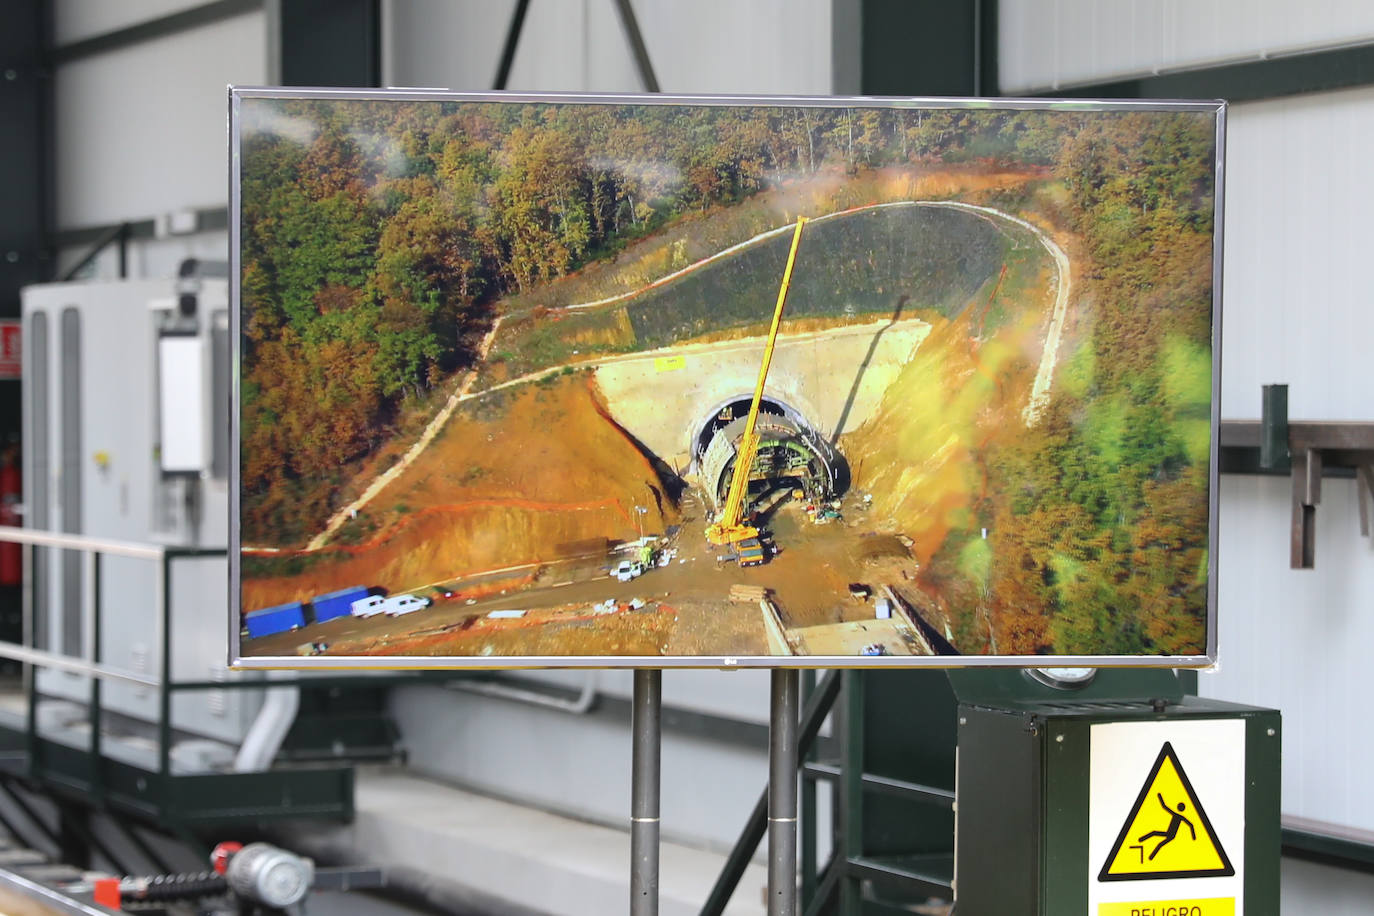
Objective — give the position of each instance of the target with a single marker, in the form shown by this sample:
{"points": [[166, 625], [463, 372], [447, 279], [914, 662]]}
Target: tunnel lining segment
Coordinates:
{"points": [[714, 463]]}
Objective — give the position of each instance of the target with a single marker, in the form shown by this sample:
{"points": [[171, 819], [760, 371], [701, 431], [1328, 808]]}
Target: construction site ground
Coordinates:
{"points": [[514, 502], [687, 609]]}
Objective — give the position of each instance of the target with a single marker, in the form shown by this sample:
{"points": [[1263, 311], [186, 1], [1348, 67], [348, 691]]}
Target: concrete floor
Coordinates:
{"points": [[509, 858], [337, 903]]}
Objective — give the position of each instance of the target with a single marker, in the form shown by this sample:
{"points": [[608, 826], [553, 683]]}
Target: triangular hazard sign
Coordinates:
{"points": [[1167, 834]]}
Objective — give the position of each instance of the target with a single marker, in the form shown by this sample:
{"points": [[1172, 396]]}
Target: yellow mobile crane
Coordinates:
{"points": [[730, 528]]}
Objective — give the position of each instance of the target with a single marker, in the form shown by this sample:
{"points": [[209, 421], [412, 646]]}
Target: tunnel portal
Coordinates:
{"points": [[791, 454]]}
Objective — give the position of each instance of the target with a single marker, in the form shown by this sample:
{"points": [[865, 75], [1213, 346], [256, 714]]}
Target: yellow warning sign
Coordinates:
{"points": [[1167, 834], [1212, 906], [669, 363]]}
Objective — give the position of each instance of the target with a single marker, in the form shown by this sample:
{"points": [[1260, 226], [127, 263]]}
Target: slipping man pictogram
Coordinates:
{"points": [[1175, 819], [1145, 847]]}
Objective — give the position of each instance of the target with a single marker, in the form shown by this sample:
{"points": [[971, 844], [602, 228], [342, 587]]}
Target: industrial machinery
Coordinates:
{"points": [[128, 710], [257, 879], [730, 527], [787, 450], [126, 438]]}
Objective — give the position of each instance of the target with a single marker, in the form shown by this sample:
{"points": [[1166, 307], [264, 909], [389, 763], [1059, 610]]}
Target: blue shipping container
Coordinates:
{"points": [[268, 620], [337, 604]]}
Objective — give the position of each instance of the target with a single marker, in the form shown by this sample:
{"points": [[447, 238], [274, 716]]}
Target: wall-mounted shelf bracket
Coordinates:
{"points": [[1306, 450]]}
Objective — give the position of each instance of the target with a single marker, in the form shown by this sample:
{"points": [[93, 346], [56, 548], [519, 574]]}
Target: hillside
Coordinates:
{"points": [[511, 480]]}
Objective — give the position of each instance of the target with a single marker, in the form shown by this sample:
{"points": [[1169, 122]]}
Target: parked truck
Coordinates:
{"points": [[337, 604], [277, 619]]}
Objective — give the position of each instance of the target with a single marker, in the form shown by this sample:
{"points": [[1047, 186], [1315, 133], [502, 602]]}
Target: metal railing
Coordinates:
{"points": [[89, 663]]}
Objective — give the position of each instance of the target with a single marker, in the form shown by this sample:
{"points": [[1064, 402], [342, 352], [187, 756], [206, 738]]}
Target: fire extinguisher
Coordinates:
{"points": [[11, 486]]}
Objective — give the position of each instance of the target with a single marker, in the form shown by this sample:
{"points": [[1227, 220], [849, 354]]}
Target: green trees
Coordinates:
{"points": [[542, 206], [379, 240], [1101, 534]]}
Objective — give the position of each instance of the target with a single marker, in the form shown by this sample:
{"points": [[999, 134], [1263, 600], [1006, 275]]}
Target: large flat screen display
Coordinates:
{"points": [[661, 381]]}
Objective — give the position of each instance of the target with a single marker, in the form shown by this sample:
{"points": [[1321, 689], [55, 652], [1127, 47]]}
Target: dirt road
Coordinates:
{"points": [[686, 607]]}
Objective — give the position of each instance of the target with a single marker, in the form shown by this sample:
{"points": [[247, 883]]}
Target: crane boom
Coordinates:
{"points": [[730, 527]]}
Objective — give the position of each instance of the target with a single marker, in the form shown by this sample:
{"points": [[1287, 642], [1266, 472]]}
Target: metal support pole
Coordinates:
{"points": [[636, 39], [517, 25], [818, 706], [164, 722], [647, 727], [810, 868], [782, 793], [850, 842], [97, 784]]}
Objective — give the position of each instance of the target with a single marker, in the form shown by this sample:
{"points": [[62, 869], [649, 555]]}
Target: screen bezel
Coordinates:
{"points": [[238, 660]]}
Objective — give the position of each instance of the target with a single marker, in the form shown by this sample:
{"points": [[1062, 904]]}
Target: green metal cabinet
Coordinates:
{"points": [[1024, 792]]}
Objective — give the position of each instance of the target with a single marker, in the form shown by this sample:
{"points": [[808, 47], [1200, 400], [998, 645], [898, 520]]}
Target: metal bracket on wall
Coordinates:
{"points": [[1307, 450]]}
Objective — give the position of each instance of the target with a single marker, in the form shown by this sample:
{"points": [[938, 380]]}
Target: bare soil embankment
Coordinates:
{"points": [[513, 479], [924, 455]]}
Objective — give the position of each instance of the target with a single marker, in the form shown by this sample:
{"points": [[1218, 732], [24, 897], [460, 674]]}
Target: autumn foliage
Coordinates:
{"points": [[379, 242]]}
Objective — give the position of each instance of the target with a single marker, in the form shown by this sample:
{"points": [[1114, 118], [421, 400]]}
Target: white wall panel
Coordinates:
{"points": [[142, 131], [74, 20], [726, 46], [1299, 640], [1296, 310], [1047, 44], [1299, 199], [707, 46], [578, 765]]}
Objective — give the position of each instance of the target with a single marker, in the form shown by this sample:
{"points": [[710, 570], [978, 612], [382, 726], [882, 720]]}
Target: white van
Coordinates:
{"points": [[397, 605], [367, 607]]}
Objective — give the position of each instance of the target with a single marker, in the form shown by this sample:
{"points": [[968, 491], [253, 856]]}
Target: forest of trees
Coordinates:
{"points": [[378, 239], [1098, 516]]}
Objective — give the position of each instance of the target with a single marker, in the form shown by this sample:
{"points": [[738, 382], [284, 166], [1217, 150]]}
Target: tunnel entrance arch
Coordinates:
{"points": [[791, 453], [705, 428]]}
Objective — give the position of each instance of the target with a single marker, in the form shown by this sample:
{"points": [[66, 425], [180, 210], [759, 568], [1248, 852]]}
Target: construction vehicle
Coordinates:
{"points": [[750, 552], [730, 527]]}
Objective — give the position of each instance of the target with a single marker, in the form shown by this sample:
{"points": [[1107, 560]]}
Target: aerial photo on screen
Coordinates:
{"points": [[557, 379]]}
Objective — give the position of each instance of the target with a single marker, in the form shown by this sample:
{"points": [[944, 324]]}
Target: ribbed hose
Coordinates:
{"points": [[173, 887]]}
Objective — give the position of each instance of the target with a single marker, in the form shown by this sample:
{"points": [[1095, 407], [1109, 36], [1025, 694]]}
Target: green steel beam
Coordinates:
{"points": [[1274, 454], [330, 42], [172, 24], [1273, 77], [1324, 849], [1263, 842], [829, 881], [884, 785], [850, 819], [920, 47]]}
